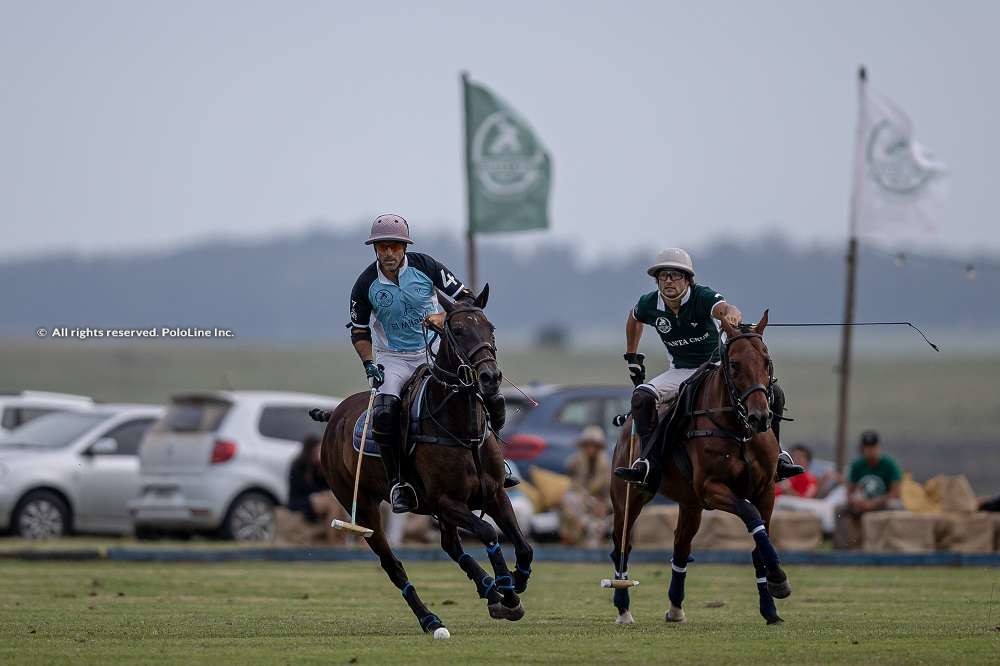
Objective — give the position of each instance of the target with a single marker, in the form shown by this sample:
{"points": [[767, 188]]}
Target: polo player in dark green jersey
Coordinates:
{"points": [[684, 314]]}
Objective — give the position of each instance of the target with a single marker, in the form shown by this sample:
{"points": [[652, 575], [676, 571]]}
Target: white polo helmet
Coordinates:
{"points": [[389, 228], [675, 258]]}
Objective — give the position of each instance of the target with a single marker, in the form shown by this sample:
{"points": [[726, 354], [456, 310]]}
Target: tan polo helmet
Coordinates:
{"points": [[675, 258]]}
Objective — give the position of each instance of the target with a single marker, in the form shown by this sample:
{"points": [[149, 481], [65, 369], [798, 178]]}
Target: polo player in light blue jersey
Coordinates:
{"points": [[401, 290]]}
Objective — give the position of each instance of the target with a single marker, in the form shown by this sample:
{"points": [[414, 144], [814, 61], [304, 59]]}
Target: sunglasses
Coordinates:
{"points": [[670, 276]]}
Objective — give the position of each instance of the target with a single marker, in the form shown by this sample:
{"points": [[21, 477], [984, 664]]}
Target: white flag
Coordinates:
{"points": [[900, 187]]}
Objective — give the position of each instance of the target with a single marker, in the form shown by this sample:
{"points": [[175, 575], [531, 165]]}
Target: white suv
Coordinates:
{"points": [[219, 461], [19, 407]]}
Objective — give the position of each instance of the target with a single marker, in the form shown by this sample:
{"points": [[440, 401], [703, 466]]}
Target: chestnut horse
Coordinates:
{"points": [[457, 461], [727, 435]]}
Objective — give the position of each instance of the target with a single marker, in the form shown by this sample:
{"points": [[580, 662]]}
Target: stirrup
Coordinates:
{"points": [[400, 498], [510, 481], [637, 473]]}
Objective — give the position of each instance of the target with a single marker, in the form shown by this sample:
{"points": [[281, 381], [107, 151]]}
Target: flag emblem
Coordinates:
{"points": [[507, 160]]}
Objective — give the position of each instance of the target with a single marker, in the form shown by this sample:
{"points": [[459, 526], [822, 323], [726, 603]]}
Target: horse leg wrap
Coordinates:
{"points": [[484, 584], [505, 583], [620, 598], [755, 526], [430, 622], [767, 608], [521, 576], [676, 590]]}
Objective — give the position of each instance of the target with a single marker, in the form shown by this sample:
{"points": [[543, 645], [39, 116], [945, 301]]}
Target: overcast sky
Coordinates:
{"points": [[139, 124]]}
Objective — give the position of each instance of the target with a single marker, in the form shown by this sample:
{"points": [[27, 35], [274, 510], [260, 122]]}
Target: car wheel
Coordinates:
{"points": [[41, 515], [250, 518]]}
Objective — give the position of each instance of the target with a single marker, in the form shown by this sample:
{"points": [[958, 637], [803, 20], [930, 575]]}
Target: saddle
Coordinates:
{"points": [[674, 417], [412, 401]]}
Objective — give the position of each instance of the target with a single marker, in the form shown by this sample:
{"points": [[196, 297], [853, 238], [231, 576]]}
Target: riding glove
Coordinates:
{"points": [[636, 369], [375, 374]]}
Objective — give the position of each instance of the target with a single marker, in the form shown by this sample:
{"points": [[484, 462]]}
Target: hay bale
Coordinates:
{"points": [[796, 530], [898, 532], [722, 531], [965, 532], [654, 528]]}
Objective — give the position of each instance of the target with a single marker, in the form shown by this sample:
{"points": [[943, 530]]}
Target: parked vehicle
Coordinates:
{"points": [[73, 471], [545, 435], [217, 462], [17, 408]]}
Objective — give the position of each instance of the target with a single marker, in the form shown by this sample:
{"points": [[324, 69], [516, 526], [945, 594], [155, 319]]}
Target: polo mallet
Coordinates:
{"points": [[353, 526], [617, 584]]}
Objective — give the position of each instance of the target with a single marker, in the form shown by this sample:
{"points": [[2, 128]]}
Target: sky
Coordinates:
{"points": [[129, 125]]}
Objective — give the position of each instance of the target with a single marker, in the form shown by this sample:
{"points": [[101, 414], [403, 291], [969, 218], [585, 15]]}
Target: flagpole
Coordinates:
{"points": [[470, 236], [843, 397]]}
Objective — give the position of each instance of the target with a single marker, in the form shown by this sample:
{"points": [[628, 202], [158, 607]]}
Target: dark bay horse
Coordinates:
{"points": [[458, 463], [734, 456]]}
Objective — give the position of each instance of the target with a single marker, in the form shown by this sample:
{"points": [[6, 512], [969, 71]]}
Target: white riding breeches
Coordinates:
{"points": [[399, 367], [665, 385]]}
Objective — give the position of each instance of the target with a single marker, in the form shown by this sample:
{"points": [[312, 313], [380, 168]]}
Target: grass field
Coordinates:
{"points": [[349, 613], [939, 413]]}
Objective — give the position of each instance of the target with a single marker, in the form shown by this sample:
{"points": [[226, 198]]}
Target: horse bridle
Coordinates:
{"points": [[466, 375], [739, 400]]}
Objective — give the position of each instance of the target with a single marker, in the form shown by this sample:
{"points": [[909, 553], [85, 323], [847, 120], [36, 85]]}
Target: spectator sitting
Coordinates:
{"points": [[800, 485], [305, 479], [873, 485], [584, 510]]}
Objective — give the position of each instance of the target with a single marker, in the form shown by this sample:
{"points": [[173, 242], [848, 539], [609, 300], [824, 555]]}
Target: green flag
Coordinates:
{"points": [[509, 171]]}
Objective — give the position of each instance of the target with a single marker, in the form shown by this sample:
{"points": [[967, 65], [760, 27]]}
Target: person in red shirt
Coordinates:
{"points": [[804, 484]]}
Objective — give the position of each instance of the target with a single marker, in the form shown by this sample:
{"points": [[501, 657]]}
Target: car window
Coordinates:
{"points": [[31, 413], [194, 415], [52, 430], [580, 412], [128, 435], [9, 419], [288, 422]]}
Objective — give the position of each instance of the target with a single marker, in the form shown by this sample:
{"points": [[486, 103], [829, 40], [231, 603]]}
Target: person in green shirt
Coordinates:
{"points": [[684, 315], [873, 479]]}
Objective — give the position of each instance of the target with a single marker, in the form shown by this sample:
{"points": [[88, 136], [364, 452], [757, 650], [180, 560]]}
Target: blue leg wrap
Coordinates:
{"points": [[524, 572], [491, 550], [407, 588], [768, 555], [505, 583], [487, 584], [429, 620], [767, 608], [621, 600], [676, 591], [461, 558]]}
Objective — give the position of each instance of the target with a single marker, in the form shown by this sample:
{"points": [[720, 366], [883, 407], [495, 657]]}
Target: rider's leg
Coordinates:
{"points": [[496, 409], [386, 433], [645, 397], [786, 466]]}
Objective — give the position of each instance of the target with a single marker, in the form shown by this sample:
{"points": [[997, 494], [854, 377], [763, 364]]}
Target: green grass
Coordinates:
{"points": [[349, 613]]}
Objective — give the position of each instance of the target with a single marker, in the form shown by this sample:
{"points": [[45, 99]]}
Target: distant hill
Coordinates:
{"points": [[296, 287]]}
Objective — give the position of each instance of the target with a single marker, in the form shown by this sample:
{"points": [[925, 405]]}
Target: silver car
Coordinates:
{"points": [[73, 471], [218, 462]]}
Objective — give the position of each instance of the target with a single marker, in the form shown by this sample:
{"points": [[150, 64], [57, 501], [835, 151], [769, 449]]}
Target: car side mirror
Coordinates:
{"points": [[103, 446]]}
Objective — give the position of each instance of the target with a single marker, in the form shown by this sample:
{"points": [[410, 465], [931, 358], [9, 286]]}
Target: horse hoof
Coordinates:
{"points": [[675, 615], [625, 618], [441, 634], [779, 590], [514, 614], [497, 611], [774, 620]]}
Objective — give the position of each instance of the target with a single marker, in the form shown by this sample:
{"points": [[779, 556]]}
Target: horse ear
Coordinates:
{"points": [[762, 324], [483, 296]]}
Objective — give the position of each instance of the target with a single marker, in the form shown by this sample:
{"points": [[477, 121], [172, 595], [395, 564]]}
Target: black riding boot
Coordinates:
{"points": [[646, 468], [496, 409], [386, 433], [786, 466]]}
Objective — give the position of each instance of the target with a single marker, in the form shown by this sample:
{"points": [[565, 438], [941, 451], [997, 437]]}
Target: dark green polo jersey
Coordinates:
{"points": [[691, 336]]}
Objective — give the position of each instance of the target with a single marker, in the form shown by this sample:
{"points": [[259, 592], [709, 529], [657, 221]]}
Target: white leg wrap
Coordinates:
{"points": [[678, 569], [759, 528]]}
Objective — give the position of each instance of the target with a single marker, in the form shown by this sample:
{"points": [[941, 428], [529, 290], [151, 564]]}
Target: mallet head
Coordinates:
{"points": [[353, 528]]}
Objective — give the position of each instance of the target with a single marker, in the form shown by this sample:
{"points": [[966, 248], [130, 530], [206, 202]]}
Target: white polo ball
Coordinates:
{"points": [[441, 634]]}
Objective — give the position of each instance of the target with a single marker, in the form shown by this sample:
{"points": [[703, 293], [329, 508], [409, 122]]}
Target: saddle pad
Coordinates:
{"points": [[371, 449]]}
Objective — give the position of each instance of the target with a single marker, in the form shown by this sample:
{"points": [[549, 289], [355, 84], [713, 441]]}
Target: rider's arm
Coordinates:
{"points": [[442, 277], [633, 332], [729, 313], [361, 314], [363, 347]]}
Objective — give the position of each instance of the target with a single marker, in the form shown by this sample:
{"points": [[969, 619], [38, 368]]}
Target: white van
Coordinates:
{"points": [[218, 461]]}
